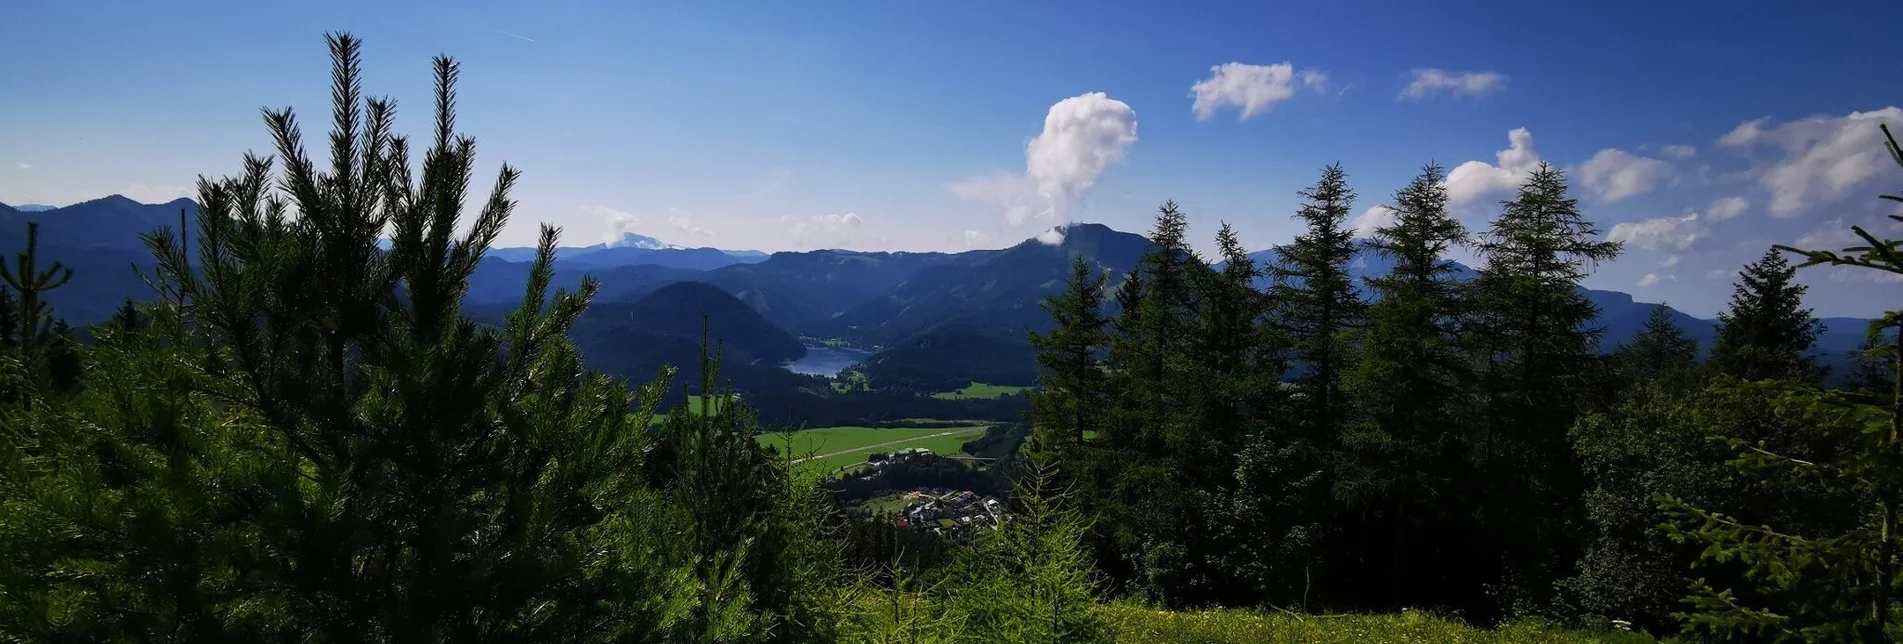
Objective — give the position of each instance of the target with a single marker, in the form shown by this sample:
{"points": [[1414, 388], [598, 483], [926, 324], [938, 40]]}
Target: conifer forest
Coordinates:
{"points": [[302, 430]]}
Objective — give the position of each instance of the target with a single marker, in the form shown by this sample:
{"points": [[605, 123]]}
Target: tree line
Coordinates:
{"points": [[304, 438], [1458, 444]]}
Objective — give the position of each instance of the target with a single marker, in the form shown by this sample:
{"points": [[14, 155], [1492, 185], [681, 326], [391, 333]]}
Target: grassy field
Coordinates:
{"points": [[837, 446], [851, 380], [1138, 624], [980, 390]]}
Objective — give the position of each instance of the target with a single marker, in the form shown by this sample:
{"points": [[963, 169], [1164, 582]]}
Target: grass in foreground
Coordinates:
{"points": [[979, 390], [1133, 623], [833, 447]]}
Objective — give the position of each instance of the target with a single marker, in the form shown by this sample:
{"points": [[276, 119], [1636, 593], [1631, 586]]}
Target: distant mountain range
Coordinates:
{"points": [[937, 315]]}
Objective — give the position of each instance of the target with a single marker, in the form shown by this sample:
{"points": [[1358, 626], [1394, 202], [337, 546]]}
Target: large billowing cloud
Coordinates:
{"points": [[1253, 88], [1617, 174], [1082, 136], [1472, 180], [1428, 82], [1820, 159]]}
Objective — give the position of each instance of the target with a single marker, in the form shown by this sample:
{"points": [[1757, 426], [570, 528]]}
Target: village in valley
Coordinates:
{"points": [[939, 511]]}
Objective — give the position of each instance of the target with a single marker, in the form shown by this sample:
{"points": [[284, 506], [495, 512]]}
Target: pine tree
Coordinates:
{"points": [[1073, 385], [1811, 585], [1401, 469], [1766, 332], [1318, 302], [1539, 368], [306, 451], [1661, 347]]}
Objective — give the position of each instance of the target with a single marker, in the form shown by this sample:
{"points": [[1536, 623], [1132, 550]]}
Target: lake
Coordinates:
{"points": [[826, 361]]}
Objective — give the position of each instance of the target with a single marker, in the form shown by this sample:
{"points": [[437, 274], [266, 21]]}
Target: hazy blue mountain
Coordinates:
{"points": [[800, 291], [33, 207], [111, 222], [998, 291]]}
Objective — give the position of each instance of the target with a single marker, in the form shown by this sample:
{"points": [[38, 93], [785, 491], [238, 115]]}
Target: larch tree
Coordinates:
{"points": [[1072, 381], [1318, 303], [1401, 466], [1538, 370]]}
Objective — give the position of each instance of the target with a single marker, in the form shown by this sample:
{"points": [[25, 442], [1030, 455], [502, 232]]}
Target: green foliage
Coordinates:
{"points": [[1766, 332], [1029, 580], [1073, 386], [1810, 583], [1538, 371], [1403, 471], [1138, 624], [1318, 302], [306, 441], [1660, 348]]}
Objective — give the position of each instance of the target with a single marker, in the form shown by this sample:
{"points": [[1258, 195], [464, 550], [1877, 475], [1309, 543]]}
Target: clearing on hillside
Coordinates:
{"points": [[833, 447], [979, 390]]}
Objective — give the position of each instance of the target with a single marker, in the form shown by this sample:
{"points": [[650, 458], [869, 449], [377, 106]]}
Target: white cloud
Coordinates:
{"points": [[825, 231], [1679, 151], [1475, 179], [620, 222], [1426, 82], [1823, 157], [973, 238], [1082, 136], [1670, 261], [1371, 219], [1254, 88], [1727, 207], [1616, 174], [1650, 279], [24, 166], [1314, 79], [1659, 232], [155, 194], [1051, 237], [682, 222]]}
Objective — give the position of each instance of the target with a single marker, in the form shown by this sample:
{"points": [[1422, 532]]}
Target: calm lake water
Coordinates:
{"points": [[826, 361]]}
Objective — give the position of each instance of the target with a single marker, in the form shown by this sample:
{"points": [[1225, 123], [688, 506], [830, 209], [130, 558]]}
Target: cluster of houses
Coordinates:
{"points": [[877, 461], [948, 513]]}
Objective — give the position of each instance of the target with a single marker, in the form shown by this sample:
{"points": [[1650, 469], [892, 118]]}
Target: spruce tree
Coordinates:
{"points": [[1401, 469], [1873, 369], [1073, 386], [1659, 348], [1539, 369], [1766, 332], [1318, 302], [1812, 585]]}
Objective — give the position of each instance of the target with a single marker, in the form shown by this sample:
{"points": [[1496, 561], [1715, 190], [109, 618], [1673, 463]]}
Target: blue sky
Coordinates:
{"points": [[923, 125]]}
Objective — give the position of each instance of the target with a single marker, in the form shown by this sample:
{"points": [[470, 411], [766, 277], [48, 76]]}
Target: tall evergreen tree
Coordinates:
{"points": [[1660, 347], [1811, 585], [1401, 469], [1318, 302], [297, 449], [1072, 383], [1766, 332], [1873, 368], [1539, 370]]}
